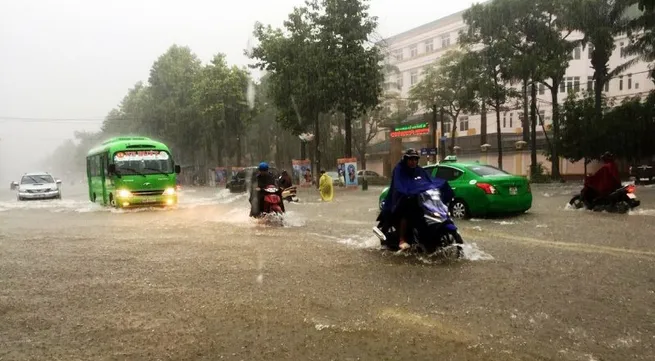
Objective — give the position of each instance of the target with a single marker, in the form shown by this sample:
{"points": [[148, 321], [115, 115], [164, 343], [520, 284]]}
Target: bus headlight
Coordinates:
{"points": [[124, 193], [169, 191]]}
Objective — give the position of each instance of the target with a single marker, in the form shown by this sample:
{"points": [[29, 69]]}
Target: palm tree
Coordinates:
{"points": [[600, 21]]}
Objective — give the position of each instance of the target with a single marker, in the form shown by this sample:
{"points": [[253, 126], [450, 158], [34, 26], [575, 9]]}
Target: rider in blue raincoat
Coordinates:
{"points": [[401, 207]]}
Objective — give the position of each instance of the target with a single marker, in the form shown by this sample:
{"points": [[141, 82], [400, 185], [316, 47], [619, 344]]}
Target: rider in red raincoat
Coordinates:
{"points": [[605, 181]]}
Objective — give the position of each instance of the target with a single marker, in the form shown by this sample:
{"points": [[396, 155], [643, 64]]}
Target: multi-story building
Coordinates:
{"points": [[413, 51]]}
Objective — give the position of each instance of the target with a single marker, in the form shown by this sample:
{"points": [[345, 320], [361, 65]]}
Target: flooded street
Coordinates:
{"points": [[204, 282]]}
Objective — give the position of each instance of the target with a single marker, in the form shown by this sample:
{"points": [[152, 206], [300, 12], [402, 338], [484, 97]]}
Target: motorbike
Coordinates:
{"points": [[289, 194], [271, 211], [621, 201], [434, 231]]}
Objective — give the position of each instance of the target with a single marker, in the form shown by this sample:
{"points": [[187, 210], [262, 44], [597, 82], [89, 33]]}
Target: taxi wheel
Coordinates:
{"points": [[459, 209]]}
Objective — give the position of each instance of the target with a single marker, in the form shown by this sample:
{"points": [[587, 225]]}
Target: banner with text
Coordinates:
{"points": [[302, 172], [348, 168]]}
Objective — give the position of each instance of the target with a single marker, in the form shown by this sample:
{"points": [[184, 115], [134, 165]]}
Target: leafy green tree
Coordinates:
{"points": [[209, 98], [172, 80], [580, 137], [351, 65], [450, 85], [493, 59], [642, 35], [293, 58], [601, 21]]}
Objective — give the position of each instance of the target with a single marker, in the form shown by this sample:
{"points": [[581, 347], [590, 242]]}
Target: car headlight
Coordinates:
{"points": [[169, 191], [124, 193]]}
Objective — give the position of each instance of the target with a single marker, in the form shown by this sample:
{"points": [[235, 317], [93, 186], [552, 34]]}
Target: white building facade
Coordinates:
{"points": [[414, 51]]}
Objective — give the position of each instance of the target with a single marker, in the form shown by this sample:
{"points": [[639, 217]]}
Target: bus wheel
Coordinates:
{"points": [[93, 198], [112, 202]]}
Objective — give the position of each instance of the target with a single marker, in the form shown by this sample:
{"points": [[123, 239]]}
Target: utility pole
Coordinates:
{"points": [[434, 131], [442, 141]]}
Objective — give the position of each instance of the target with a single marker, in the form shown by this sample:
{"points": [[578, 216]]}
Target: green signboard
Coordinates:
{"points": [[410, 130]]}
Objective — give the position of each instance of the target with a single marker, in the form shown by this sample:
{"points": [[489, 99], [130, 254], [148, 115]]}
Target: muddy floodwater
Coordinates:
{"points": [[204, 282]]}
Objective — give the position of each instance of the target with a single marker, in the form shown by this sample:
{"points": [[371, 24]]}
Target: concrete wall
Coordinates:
{"points": [[513, 162]]}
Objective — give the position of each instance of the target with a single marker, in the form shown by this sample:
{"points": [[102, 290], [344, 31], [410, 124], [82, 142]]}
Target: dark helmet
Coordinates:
{"points": [[263, 166], [411, 153], [607, 156], [322, 171]]}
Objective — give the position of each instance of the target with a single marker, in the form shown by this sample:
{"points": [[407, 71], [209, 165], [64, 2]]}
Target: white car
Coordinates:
{"points": [[38, 186]]}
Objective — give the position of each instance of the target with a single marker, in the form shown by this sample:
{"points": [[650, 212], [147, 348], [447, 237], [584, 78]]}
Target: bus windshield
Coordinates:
{"points": [[143, 162]]}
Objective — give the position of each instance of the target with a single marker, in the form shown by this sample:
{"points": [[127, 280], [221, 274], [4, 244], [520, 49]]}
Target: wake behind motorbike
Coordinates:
{"points": [[621, 201], [433, 231]]}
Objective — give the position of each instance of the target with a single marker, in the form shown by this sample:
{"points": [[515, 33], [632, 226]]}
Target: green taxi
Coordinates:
{"points": [[480, 189]]}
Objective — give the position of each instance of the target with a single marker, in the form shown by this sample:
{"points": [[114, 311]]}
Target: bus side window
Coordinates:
{"points": [[96, 165], [105, 164], [88, 167]]}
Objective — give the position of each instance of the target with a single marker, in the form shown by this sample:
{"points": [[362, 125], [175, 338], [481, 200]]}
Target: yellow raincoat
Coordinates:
{"points": [[325, 187]]}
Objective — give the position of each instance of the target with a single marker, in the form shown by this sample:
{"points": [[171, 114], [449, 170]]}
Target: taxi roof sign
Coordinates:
{"points": [[450, 158]]}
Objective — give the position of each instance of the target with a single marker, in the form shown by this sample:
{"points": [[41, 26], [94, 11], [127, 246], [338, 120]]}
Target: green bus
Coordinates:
{"points": [[132, 171]]}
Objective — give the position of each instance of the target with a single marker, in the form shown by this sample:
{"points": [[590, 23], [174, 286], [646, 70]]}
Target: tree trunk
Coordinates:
{"points": [[483, 123], [434, 130], [238, 150], [348, 151], [525, 124], [442, 143], [453, 133], [317, 145], [533, 130], [598, 95], [303, 149], [555, 144], [499, 136], [362, 148], [219, 154]]}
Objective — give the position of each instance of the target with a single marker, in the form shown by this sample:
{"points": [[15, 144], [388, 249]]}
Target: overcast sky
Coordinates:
{"points": [[75, 59]]}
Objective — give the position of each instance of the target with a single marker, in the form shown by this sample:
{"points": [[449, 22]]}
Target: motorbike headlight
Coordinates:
{"points": [[124, 193], [169, 191]]}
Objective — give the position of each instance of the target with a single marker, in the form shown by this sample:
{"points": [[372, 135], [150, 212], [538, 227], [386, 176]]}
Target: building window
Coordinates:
{"points": [[542, 89], [590, 83], [464, 123], [590, 51], [572, 84], [398, 54], [446, 128], [505, 120], [429, 46], [622, 50], [542, 115], [629, 81], [607, 85], [413, 77], [413, 51], [636, 85], [511, 120], [576, 53], [621, 83], [445, 41], [562, 86]]}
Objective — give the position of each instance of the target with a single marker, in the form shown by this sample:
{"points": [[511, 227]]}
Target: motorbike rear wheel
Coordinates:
{"points": [[576, 202], [622, 207]]}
